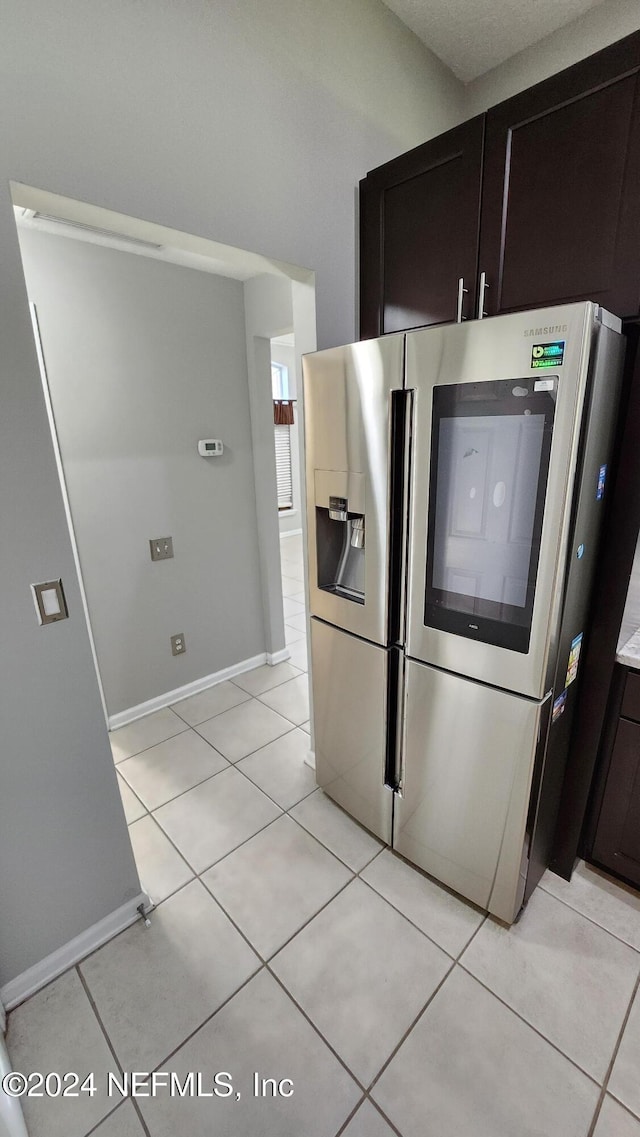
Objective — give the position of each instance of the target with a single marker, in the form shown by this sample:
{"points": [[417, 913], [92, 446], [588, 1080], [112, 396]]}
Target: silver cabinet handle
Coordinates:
{"points": [[481, 292], [461, 294]]}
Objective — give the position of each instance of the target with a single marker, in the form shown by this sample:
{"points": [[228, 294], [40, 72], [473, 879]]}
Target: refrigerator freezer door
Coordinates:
{"points": [[469, 755], [349, 422], [349, 678], [495, 453]]}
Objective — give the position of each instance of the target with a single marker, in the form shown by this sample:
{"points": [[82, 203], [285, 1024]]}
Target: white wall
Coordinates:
{"points": [[598, 28], [143, 359], [251, 124], [281, 353]]}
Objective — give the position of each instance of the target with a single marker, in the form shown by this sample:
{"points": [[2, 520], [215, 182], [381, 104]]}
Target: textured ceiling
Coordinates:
{"points": [[472, 36]]}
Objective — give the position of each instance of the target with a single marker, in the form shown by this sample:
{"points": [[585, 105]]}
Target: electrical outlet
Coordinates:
{"points": [[178, 645], [161, 548]]}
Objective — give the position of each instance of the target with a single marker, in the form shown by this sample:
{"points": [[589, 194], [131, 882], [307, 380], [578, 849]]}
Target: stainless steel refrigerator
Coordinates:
{"points": [[456, 482]]}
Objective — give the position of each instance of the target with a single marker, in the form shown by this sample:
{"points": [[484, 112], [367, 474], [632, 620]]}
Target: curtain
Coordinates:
{"points": [[283, 412]]}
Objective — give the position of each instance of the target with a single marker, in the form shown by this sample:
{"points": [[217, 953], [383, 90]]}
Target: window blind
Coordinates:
{"points": [[283, 466]]}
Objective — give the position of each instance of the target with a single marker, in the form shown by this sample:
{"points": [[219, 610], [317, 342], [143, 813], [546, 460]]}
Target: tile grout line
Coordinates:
{"points": [[139, 800], [531, 1025], [627, 1109], [343, 1128], [229, 765], [412, 922], [112, 1048], [163, 1063], [355, 872], [368, 1090], [591, 920], [609, 1072], [450, 970], [263, 966], [266, 959], [170, 800], [284, 813], [357, 875], [350, 1116], [96, 1012], [234, 762], [314, 1026], [227, 854], [194, 726], [199, 876], [265, 691], [120, 761]]}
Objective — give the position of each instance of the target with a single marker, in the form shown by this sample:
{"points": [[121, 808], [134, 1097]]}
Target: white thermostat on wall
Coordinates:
{"points": [[210, 447]]}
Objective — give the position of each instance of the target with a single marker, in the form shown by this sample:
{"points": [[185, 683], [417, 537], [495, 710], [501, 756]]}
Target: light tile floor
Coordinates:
{"points": [[287, 943]]}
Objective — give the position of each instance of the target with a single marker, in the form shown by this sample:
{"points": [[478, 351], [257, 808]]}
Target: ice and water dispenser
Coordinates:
{"points": [[340, 533]]}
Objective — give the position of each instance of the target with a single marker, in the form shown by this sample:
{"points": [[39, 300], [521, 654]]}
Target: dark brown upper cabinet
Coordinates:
{"points": [[557, 169], [561, 189], [419, 218]]}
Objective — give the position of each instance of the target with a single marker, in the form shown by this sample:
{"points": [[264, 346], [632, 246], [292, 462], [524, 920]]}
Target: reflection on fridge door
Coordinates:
{"points": [[350, 413], [441, 739]]}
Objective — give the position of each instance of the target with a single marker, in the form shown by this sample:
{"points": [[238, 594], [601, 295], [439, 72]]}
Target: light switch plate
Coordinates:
{"points": [[161, 548], [50, 601], [178, 645]]}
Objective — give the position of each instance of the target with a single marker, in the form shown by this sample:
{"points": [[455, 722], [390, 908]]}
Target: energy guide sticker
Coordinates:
{"points": [[574, 657]]}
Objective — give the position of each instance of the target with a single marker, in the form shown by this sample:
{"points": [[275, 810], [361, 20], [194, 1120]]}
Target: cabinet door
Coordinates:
{"points": [[617, 841], [419, 233], [561, 189]]}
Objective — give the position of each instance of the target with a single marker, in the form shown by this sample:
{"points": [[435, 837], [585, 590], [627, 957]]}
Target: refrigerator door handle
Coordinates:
{"points": [[481, 291], [401, 425], [395, 718], [460, 305], [400, 447]]}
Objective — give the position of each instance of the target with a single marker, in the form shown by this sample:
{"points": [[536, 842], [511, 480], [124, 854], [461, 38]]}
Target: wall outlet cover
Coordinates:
{"points": [[178, 645], [161, 548]]}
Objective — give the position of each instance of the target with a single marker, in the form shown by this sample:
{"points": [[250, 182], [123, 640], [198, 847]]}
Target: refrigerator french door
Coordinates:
{"points": [[513, 430], [456, 479], [356, 523]]}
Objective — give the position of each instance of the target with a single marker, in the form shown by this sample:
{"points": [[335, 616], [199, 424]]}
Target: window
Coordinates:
{"points": [[282, 432], [280, 381]]}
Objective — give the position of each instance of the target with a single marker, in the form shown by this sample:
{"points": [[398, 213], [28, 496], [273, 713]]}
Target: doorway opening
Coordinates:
{"points": [[155, 356]]}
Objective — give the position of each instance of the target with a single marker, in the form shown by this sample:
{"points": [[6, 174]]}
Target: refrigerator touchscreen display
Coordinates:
{"points": [[489, 464]]}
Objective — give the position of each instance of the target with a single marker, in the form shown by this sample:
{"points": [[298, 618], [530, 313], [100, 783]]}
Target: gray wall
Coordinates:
{"points": [[143, 359], [269, 311], [248, 123], [598, 28]]}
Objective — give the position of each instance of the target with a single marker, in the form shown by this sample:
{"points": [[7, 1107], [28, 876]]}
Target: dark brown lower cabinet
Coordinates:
{"points": [[617, 839]]}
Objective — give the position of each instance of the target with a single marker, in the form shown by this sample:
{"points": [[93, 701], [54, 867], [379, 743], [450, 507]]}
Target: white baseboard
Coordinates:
{"points": [[274, 657], [198, 685], [290, 533], [31, 980], [310, 759]]}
